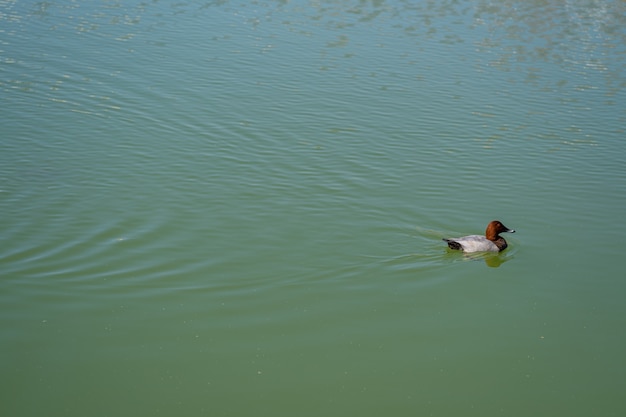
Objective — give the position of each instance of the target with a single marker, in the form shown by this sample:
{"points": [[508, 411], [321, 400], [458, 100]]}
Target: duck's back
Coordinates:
{"points": [[472, 243]]}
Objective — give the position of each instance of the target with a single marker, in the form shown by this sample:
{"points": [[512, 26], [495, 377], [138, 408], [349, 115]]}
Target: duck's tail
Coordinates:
{"points": [[453, 244]]}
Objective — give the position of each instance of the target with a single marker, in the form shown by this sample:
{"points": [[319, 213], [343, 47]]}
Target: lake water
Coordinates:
{"points": [[235, 208]]}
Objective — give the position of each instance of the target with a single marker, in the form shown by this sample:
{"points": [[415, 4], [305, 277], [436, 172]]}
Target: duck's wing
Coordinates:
{"points": [[472, 243]]}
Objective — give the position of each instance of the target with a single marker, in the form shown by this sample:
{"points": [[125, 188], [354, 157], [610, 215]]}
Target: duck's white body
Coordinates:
{"points": [[474, 243]]}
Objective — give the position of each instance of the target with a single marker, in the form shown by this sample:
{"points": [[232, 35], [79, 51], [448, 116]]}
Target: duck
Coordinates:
{"points": [[491, 242]]}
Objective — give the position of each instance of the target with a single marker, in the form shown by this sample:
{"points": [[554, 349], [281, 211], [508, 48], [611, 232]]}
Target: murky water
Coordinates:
{"points": [[236, 208]]}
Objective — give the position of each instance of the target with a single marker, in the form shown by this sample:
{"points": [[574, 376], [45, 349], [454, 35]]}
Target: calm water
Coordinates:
{"points": [[235, 208]]}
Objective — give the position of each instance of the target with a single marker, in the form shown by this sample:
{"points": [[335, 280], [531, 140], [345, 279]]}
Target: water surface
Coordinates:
{"points": [[236, 208]]}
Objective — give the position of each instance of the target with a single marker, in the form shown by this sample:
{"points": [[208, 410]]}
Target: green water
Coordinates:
{"points": [[236, 208]]}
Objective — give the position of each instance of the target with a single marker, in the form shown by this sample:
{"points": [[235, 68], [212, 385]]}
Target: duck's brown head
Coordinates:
{"points": [[494, 229]]}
